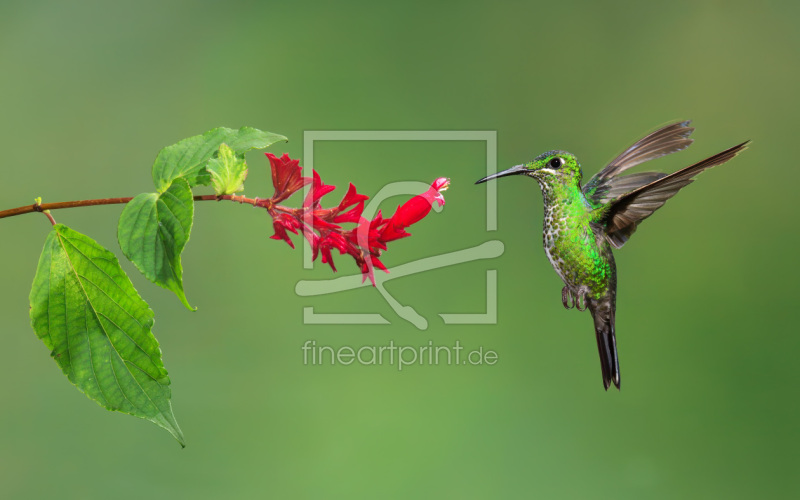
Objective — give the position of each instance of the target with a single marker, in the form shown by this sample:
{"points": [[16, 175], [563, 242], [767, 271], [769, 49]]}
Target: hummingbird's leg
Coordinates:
{"points": [[580, 302], [565, 296]]}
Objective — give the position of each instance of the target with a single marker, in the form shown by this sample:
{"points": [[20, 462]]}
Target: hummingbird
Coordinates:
{"points": [[582, 223]]}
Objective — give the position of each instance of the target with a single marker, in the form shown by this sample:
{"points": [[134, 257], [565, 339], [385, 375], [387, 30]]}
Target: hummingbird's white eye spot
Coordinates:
{"points": [[555, 162]]}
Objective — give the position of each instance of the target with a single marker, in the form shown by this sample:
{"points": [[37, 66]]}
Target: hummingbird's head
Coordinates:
{"points": [[552, 167]]}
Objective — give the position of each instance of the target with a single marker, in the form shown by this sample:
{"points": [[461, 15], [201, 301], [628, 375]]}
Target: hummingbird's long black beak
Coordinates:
{"points": [[517, 169]]}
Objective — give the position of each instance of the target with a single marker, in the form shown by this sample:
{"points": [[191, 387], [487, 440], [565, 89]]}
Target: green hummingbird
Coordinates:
{"points": [[583, 223]]}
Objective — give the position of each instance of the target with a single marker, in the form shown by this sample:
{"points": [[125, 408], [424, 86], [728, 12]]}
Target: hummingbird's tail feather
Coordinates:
{"points": [[627, 211], [603, 315]]}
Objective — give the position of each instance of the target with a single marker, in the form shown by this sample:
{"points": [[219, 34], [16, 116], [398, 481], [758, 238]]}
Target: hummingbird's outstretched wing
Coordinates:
{"points": [[626, 212], [608, 184]]}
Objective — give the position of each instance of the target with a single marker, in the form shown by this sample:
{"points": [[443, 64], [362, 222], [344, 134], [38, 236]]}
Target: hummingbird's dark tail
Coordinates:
{"points": [[603, 314]]}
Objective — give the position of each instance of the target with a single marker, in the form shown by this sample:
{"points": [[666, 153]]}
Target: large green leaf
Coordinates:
{"points": [[86, 311], [152, 231], [188, 158]]}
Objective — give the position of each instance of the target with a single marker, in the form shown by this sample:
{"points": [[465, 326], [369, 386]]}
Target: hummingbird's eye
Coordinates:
{"points": [[556, 162]]}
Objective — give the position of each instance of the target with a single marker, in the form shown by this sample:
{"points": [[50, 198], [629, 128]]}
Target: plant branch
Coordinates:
{"points": [[41, 207]]}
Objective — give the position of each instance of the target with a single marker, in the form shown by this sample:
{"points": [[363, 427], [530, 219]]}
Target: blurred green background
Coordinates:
{"points": [[706, 324]]}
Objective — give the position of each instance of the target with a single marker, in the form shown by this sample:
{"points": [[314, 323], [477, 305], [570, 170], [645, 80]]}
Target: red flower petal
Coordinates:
{"points": [[393, 232], [327, 258], [313, 240], [280, 234], [337, 241], [317, 191], [352, 215], [377, 263], [352, 197], [320, 223]]}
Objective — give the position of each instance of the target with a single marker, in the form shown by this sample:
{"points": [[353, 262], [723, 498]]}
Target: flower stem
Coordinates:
{"points": [[256, 202]]}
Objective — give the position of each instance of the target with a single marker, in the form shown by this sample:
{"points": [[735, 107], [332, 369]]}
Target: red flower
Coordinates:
{"points": [[286, 176], [321, 226], [414, 210], [282, 223]]}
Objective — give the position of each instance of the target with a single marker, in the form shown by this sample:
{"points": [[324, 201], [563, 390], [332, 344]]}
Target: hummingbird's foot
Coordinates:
{"points": [[566, 295], [580, 299], [572, 299]]}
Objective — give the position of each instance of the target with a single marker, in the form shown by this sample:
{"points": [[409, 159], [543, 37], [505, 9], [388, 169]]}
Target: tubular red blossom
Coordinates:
{"points": [[282, 223], [414, 210], [286, 176], [280, 234], [352, 197], [322, 226]]}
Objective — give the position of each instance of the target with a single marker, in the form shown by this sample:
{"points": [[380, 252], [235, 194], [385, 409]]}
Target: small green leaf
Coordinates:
{"points": [[86, 311], [188, 158], [227, 171], [152, 231]]}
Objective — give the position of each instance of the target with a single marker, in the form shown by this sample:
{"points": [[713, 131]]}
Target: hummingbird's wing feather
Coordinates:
{"points": [[666, 140], [627, 211], [615, 187]]}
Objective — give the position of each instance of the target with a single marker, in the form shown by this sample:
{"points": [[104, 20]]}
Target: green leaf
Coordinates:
{"points": [[188, 158], [152, 231], [227, 171], [86, 311]]}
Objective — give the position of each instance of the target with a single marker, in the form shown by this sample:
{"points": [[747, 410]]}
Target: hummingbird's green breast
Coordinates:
{"points": [[579, 255]]}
